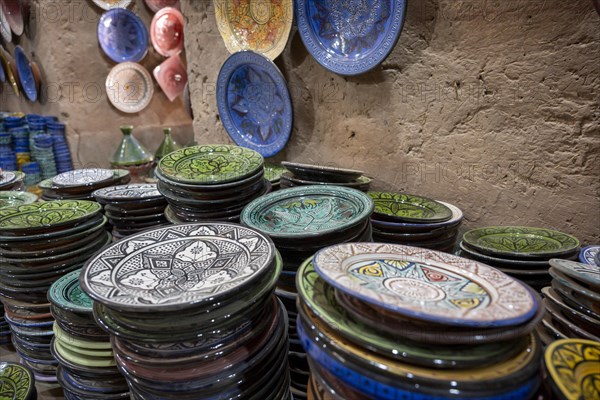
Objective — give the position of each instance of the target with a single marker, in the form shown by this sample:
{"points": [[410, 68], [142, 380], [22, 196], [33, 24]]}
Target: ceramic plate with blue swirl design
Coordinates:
{"points": [[254, 103], [122, 35], [350, 37], [25, 74]]}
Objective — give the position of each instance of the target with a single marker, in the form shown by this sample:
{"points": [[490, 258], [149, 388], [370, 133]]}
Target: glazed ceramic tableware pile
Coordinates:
{"points": [[301, 221], [80, 184], [17, 382], [39, 243], [83, 350], [10, 198], [210, 183], [572, 302], [415, 221], [191, 312], [307, 174], [391, 321], [571, 366], [273, 174], [12, 181], [4, 328], [132, 208], [522, 252]]}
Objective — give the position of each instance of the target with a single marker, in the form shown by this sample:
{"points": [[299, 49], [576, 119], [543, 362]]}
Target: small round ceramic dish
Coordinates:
{"points": [[123, 36], [259, 26], [399, 207], [254, 103], [166, 31], [129, 87], [26, 76], [411, 281]]}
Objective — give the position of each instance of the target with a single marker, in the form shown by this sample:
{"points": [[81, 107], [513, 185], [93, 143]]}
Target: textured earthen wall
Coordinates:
{"points": [[62, 37], [491, 105]]}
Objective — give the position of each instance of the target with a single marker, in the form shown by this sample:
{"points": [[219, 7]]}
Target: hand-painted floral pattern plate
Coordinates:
{"points": [[259, 26], [518, 241], [46, 215], [350, 37], [176, 267], [586, 273], [11, 198], [426, 284], [307, 211], [66, 294], [210, 164], [82, 177], [254, 103], [573, 367], [16, 381], [409, 208], [128, 192]]}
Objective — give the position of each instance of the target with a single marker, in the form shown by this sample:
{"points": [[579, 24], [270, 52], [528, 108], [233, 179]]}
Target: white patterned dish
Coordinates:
{"points": [[82, 177]]}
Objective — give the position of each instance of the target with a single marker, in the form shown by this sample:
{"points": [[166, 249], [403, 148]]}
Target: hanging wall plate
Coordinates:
{"points": [[26, 75], [129, 87], [5, 31], [123, 35], [350, 37], [13, 13]]}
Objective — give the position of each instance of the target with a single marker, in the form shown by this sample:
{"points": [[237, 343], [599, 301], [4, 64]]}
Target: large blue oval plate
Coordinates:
{"points": [[122, 35], [254, 103], [25, 74], [350, 37]]}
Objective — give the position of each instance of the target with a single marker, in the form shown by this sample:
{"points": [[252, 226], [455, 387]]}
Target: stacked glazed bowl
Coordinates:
{"points": [[132, 208], [301, 221], [38, 244], [210, 182], [383, 321], [411, 220], [308, 174], [191, 312], [87, 368], [81, 183], [520, 251]]}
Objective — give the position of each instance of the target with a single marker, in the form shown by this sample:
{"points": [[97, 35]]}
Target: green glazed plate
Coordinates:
{"points": [[64, 337], [16, 381], [273, 172], [320, 298], [13, 198], [46, 215], [210, 164], [307, 211], [66, 293], [410, 208], [520, 241]]}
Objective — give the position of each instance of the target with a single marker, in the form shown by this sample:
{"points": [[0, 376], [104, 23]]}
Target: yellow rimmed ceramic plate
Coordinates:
{"points": [[574, 366], [9, 67], [262, 26]]}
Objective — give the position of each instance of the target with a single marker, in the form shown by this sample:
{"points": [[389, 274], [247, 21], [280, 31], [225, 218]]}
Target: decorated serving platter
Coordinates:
{"points": [[518, 241], [46, 215], [426, 284], [140, 191], [254, 103], [573, 367], [589, 274], [210, 164], [409, 208], [350, 37], [404, 227], [82, 177], [307, 211], [176, 267], [259, 26], [16, 381], [11, 198]]}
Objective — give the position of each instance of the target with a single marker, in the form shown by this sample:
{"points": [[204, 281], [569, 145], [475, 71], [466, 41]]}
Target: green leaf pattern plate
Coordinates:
{"points": [[520, 241], [426, 284], [273, 172], [307, 211], [407, 207], [16, 382], [47, 214], [210, 164], [13, 198]]}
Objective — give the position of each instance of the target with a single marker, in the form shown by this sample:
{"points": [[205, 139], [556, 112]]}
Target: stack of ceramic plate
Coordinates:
{"points": [[81, 183], [301, 221], [191, 312], [391, 321], [38, 244], [572, 302], [572, 369], [10, 198], [4, 328], [18, 382], [590, 255], [132, 208], [210, 183], [11, 180], [83, 350], [522, 252], [306, 174], [415, 221], [273, 174]]}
